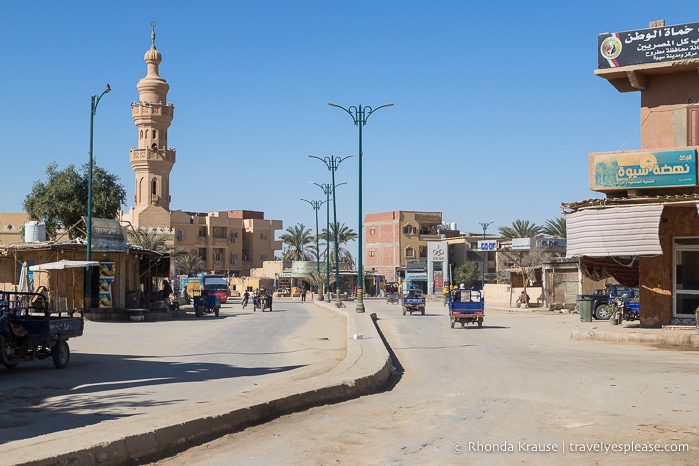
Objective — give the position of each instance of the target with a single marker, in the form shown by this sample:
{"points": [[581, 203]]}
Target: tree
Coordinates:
{"points": [[62, 199], [468, 274], [185, 260], [298, 240], [521, 229], [555, 227], [344, 236], [189, 264], [317, 280]]}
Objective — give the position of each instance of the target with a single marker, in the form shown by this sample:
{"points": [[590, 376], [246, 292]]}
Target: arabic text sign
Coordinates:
{"points": [[648, 45], [637, 170]]}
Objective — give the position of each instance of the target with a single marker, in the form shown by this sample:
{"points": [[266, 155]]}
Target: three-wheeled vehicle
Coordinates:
{"points": [[392, 293], [206, 302], [29, 330], [413, 301], [466, 306]]}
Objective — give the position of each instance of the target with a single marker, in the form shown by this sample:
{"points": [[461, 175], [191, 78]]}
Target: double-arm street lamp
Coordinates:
{"points": [[332, 163], [88, 276], [327, 189], [316, 206], [360, 115], [485, 253]]}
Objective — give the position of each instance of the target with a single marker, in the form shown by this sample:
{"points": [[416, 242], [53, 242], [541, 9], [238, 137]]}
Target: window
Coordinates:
{"points": [[263, 257], [217, 256], [409, 252], [233, 258], [423, 251], [372, 231], [371, 253], [234, 236], [180, 235], [263, 235], [408, 229], [202, 232]]}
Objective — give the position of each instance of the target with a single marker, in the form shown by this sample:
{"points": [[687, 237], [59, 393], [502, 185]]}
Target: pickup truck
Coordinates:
{"points": [[603, 297], [414, 301]]}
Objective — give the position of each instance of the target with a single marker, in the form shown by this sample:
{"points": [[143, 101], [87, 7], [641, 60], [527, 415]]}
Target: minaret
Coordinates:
{"points": [[152, 160]]}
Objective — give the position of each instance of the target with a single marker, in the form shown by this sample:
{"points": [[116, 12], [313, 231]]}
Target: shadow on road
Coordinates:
{"points": [[31, 409]]}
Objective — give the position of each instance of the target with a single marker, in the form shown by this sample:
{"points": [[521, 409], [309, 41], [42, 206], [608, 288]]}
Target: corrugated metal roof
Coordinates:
{"points": [[614, 231]]}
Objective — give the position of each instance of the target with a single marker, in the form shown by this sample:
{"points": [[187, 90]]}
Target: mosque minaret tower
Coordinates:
{"points": [[152, 160]]}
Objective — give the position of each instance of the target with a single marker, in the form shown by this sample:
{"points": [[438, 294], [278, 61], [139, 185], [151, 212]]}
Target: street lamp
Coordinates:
{"points": [[88, 282], [316, 205], [485, 227], [332, 163], [360, 115], [327, 189]]}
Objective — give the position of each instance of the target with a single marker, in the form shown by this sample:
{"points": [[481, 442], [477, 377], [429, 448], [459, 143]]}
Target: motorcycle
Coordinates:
{"points": [[626, 310]]}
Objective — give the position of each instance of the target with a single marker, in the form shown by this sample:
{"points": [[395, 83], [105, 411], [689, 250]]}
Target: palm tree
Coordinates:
{"points": [[299, 242], [189, 263], [521, 229], [163, 242], [555, 227], [344, 236], [150, 239]]}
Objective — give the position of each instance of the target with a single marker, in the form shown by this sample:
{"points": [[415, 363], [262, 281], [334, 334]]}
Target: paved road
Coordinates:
{"points": [[121, 369], [460, 395]]}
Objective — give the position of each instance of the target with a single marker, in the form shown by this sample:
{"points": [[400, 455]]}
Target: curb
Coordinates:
{"points": [[366, 368], [682, 340]]}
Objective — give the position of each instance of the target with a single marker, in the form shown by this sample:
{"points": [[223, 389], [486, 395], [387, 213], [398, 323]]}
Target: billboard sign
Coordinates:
{"points": [[521, 244], [490, 245], [637, 170], [652, 45]]}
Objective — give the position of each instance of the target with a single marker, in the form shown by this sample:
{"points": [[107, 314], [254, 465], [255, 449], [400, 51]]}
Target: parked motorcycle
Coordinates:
{"points": [[626, 310]]}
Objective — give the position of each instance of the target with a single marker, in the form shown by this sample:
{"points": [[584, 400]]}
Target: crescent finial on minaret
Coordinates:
{"points": [[152, 34]]}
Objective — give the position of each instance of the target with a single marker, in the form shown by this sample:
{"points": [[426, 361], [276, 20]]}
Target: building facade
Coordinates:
{"points": [[397, 241], [645, 232]]}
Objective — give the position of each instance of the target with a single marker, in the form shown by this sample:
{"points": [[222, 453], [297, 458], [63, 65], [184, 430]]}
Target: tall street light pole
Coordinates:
{"points": [[360, 115], [332, 163], [327, 189], [485, 253], [88, 276], [316, 206]]}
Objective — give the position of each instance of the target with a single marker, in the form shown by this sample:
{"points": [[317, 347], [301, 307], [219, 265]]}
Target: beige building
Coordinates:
{"points": [[230, 242], [11, 227]]}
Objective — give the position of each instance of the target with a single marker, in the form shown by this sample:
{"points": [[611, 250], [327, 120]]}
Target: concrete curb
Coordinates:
{"points": [[366, 368], [669, 339]]}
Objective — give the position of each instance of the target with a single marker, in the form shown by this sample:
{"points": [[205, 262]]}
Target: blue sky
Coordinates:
{"points": [[496, 105]]}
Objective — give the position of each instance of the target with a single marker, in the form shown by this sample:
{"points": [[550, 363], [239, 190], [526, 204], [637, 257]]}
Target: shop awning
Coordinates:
{"points": [[614, 231]]}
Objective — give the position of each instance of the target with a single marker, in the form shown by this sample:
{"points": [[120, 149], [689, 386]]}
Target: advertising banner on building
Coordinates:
{"points": [[652, 45], [638, 170], [107, 270]]}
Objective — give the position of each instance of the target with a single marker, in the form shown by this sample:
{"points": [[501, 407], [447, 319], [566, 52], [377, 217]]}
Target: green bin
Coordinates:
{"points": [[585, 308]]}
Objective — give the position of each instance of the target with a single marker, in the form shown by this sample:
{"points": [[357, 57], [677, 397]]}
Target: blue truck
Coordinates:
{"points": [[603, 301]]}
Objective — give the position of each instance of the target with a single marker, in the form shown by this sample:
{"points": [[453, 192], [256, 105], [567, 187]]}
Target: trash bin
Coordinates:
{"points": [[585, 308]]}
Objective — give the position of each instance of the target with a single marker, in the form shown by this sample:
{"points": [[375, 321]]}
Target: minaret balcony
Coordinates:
{"points": [[152, 155]]}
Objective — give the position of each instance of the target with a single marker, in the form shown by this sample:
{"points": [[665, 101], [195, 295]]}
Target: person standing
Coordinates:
{"points": [[303, 295]]}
